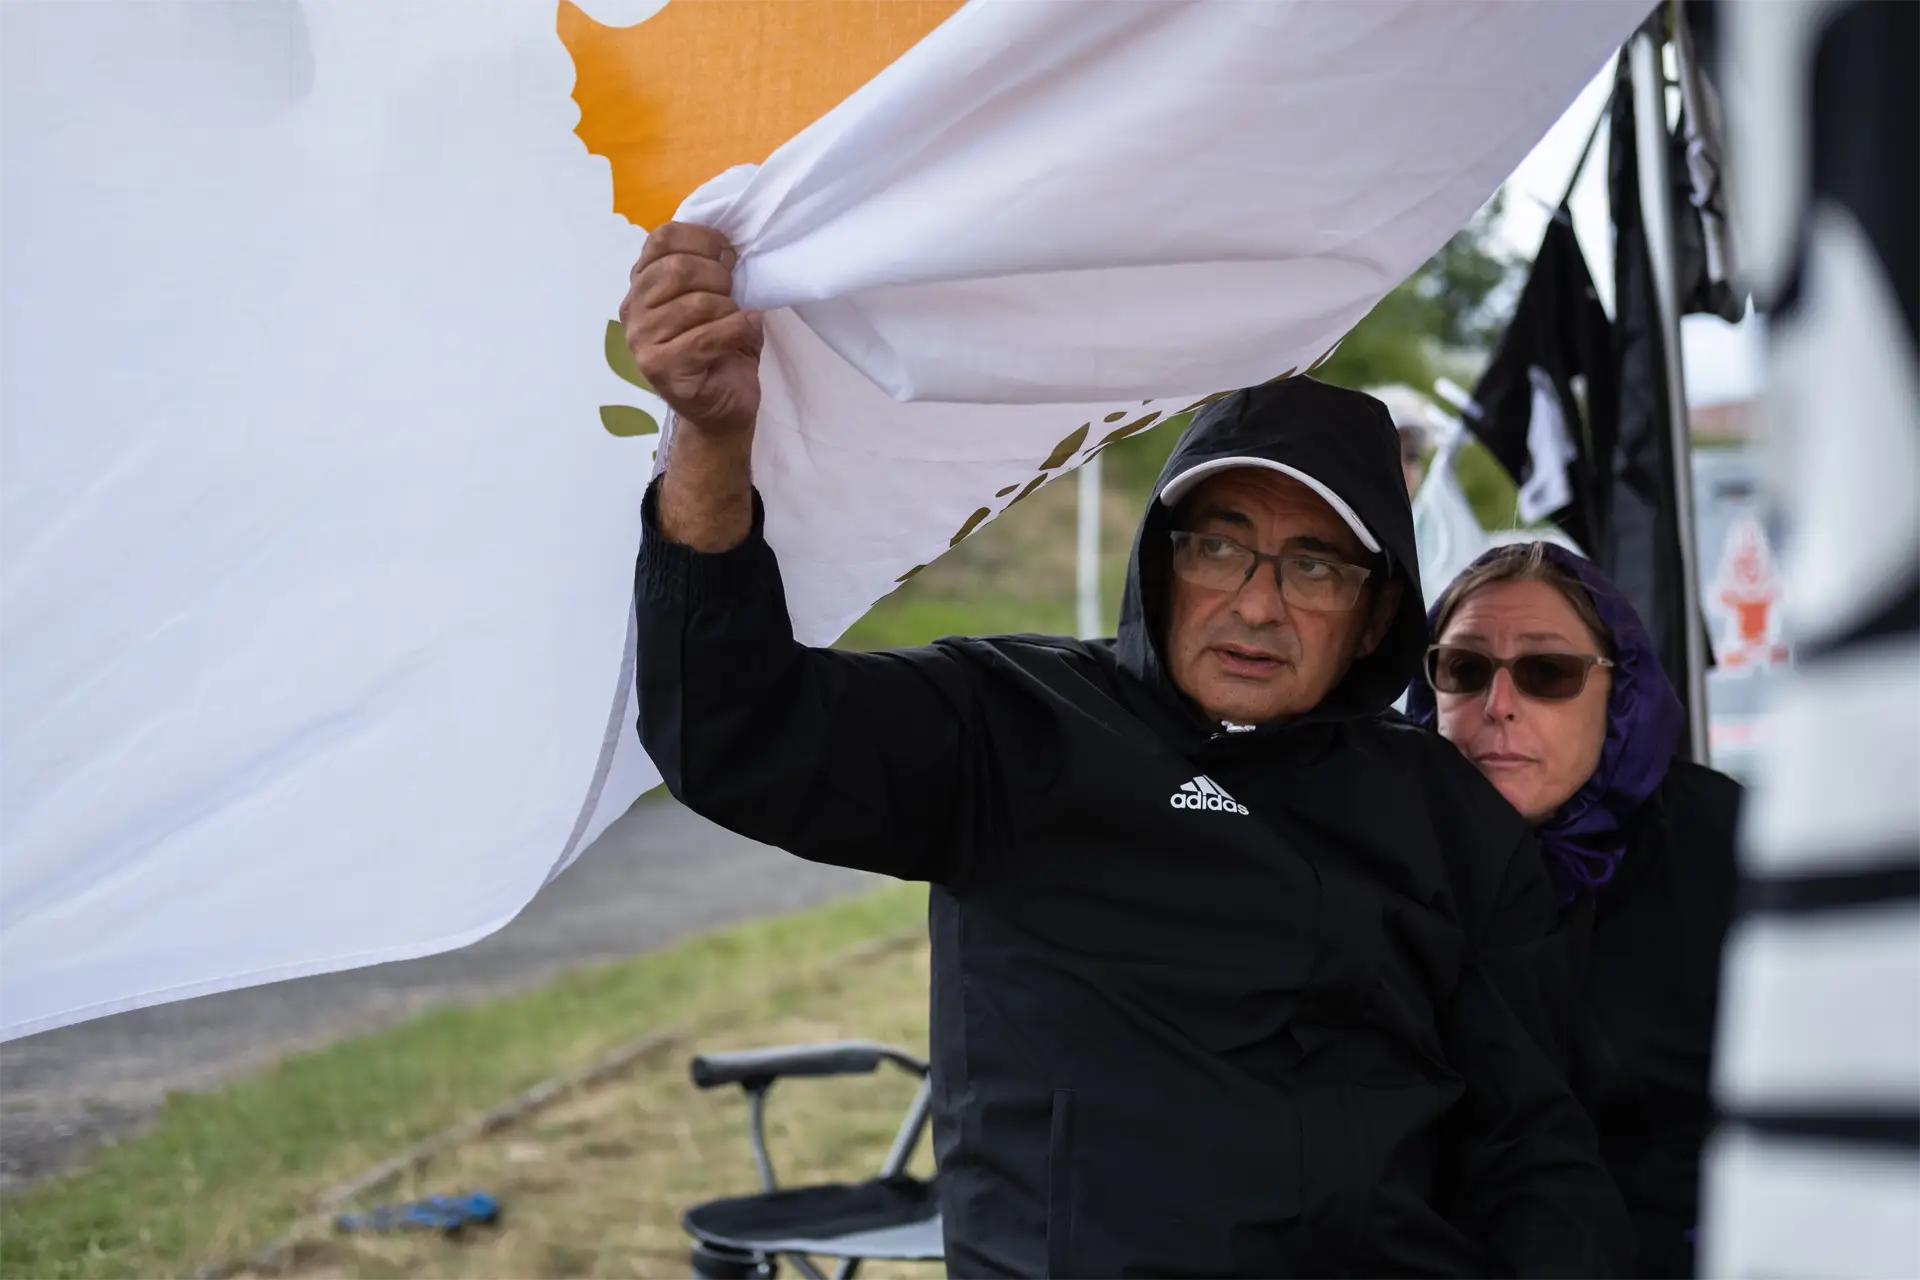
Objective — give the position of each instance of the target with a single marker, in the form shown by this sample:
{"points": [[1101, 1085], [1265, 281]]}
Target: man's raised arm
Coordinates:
{"points": [[863, 760]]}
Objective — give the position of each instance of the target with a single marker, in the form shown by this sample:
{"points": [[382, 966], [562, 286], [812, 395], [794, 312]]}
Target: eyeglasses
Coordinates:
{"points": [[1549, 677], [1306, 582]]}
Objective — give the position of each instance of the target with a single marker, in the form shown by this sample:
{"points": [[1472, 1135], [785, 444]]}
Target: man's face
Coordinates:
{"points": [[1249, 656]]}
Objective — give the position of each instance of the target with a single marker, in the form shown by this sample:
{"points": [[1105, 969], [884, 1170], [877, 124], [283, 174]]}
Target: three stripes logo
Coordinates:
{"points": [[1204, 793]]}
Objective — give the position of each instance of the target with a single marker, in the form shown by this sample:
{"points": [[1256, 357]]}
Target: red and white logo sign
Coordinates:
{"points": [[1742, 601]]}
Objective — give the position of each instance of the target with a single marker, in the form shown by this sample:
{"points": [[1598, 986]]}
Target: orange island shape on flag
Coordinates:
{"points": [[704, 85]]}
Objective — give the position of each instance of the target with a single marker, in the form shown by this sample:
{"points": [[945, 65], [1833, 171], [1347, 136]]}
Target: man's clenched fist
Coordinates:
{"points": [[700, 351]]}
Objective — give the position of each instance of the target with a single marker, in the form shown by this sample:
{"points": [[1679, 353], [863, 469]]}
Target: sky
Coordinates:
{"points": [[1723, 362]]}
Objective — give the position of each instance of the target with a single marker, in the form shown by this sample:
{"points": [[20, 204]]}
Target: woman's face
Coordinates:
{"points": [[1537, 753]]}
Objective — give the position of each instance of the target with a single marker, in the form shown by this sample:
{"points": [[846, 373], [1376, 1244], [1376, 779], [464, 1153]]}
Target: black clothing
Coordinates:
{"points": [[1205, 1003], [1648, 993]]}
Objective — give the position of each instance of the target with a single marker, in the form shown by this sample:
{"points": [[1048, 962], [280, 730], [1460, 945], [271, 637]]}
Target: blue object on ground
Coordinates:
{"points": [[435, 1213]]}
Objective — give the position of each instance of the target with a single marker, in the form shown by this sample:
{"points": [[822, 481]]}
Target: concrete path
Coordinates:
{"points": [[658, 874]]}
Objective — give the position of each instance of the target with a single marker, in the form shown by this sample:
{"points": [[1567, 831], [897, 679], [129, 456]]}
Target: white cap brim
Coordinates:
{"points": [[1178, 488]]}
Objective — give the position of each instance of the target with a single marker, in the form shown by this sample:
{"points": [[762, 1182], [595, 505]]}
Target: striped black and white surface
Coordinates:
{"points": [[1816, 1169]]}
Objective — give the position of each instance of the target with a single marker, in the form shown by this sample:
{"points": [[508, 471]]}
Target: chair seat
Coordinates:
{"points": [[892, 1218]]}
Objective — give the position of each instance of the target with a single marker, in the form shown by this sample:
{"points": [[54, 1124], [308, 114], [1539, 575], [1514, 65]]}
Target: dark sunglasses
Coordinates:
{"points": [[1549, 677]]}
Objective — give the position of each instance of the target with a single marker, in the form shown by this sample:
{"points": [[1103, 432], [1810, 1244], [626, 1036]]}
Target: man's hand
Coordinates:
{"points": [[701, 352], [696, 346]]}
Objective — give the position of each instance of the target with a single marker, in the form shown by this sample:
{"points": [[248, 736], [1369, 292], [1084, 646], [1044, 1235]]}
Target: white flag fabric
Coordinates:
{"points": [[321, 499], [1550, 452], [1446, 532]]}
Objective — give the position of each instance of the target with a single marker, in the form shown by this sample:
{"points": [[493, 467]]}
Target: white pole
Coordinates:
{"points": [[1087, 621], [1656, 214]]}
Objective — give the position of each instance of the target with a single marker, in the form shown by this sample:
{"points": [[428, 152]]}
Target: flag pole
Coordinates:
{"points": [[1656, 209], [1087, 615]]}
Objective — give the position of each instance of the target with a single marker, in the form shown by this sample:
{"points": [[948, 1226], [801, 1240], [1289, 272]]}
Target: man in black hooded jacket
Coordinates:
{"points": [[1235, 972]]}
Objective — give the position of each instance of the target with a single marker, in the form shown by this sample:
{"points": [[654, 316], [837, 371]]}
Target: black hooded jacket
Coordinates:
{"points": [[1312, 1029]]}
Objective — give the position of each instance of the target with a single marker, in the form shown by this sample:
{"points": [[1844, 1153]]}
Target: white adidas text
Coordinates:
{"points": [[1204, 793]]}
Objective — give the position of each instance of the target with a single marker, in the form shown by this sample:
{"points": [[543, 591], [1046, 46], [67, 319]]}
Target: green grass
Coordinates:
{"points": [[219, 1174], [899, 624], [1017, 573]]}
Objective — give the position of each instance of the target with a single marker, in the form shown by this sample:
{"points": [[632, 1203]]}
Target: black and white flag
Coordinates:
{"points": [[1545, 405]]}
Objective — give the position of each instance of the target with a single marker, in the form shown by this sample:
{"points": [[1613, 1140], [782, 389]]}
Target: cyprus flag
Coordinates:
{"points": [[322, 463]]}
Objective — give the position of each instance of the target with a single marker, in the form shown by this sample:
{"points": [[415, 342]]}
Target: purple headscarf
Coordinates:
{"points": [[1584, 842]]}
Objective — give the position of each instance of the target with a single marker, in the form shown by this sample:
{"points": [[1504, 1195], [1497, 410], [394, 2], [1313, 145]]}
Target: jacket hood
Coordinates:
{"points": [[1346, 442]]}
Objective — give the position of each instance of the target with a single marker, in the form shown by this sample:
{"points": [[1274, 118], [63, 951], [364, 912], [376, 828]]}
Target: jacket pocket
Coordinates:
{"points": [[1060, 1187]]}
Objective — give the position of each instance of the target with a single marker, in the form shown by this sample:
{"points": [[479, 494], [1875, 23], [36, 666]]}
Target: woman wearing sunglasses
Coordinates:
{"points": [[1543, 675]]}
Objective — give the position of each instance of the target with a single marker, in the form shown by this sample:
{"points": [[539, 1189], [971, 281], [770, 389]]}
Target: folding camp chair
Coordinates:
{"points": [[892, 1216]]}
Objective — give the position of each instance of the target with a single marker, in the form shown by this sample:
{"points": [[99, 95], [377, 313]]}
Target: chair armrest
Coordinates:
{"points": [[757, 1068]]}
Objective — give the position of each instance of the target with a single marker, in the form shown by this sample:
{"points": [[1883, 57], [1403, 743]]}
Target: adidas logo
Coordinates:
{"points": [[1204, 793]]}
